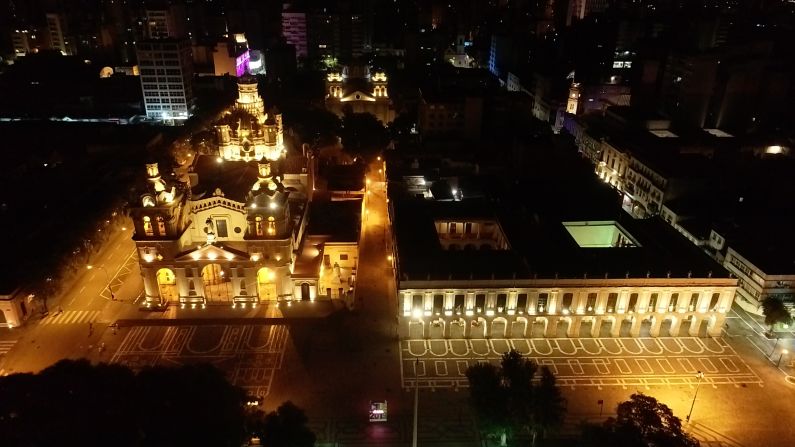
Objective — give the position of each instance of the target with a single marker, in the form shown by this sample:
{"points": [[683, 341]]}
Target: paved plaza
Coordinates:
{"points": [[584, 362], [249, 354]]}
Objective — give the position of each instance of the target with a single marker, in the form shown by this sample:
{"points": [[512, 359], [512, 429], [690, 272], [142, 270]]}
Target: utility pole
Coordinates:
{"points": [[416, 397], [700, 376]]}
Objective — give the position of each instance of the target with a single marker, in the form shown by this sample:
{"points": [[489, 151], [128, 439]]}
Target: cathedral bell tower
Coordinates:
{"points": [[572, 103]]}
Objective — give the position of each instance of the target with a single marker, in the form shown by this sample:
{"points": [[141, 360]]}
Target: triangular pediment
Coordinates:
{"points": [[211, 253], [357, 95]]}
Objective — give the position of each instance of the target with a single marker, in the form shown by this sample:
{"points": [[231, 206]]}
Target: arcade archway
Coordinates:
{"points": [[217, 286], [266, 284], [167, 285]]}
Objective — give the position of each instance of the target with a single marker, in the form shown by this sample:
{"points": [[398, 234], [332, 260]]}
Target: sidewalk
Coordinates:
{"points": [[281, 313]]}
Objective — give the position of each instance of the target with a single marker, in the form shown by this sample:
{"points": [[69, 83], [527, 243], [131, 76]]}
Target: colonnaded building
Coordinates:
{"points": [[242, 227], [496, 268]]}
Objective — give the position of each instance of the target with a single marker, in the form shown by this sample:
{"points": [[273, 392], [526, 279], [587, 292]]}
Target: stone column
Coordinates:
{"points": [[714, 330], [636, 324], [150, 285], [695, 323], [654, 331], [552, 327], [675, 324], [617, 323], [574, 326]]}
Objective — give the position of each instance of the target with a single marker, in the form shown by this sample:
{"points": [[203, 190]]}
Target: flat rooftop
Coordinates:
{"points": [[555, 229]]}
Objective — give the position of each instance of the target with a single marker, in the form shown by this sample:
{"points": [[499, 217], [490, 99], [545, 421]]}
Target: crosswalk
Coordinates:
{"points": [[71, 317], [6, 345]]}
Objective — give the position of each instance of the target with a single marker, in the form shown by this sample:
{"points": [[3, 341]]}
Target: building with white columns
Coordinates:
{"points": [[466, 269]]}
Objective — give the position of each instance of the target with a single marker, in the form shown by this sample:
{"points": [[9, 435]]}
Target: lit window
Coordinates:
{"points": [[258, 226], [148, 229], [271, 226], [161, 226]]}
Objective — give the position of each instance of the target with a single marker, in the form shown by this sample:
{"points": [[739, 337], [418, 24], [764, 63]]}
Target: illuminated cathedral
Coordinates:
{"points": [[234, 227]]}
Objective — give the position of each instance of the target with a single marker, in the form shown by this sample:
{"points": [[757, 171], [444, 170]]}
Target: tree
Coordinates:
{"points": [[549, 405], [506, 400], [362, 134], [76, 403], [775, 312], [640, 422], [285, 427], [489, 399]]}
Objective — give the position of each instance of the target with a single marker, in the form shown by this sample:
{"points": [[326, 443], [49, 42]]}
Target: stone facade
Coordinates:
{"points": [[628, 307]]}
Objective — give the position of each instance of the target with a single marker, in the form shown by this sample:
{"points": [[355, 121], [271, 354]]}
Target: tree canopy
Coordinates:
{"points": [[507, 400], [76, 403], [641, 421], [362, 134], [775, 312], [285, 427]]}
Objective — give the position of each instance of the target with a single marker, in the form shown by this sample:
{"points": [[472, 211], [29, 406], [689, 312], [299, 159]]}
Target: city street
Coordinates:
{"points": [[77, 317]]}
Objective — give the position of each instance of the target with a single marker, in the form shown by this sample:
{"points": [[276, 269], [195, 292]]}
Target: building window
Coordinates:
{"points": [[148, 229], [453, 229], [258, 230], [502, 300], [590, 305], [566, 302], [480, 302], [674, 301], [468, 228], [161, 225], [693, 301], [713, 303], [612, 299], [459, 303], [438, 304], [271, 226], [633, 301], [521, 302], [343, 257], [220, 228], [191, 288], [543, 300], [653, 302], [417, 304]]}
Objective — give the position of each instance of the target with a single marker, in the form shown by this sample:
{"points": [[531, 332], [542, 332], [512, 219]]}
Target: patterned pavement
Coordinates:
{"points": [[599, 362], [250, 355]]}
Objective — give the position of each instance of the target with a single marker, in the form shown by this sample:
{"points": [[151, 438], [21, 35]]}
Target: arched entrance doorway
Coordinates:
{"points": [[217, 286], [498, 328], [305, 292], [167, 285], [266, 284], [457, 329], [626, 328], [519, 327]]}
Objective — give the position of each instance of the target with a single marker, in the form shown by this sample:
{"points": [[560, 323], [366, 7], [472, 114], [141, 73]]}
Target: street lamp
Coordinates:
{"points": [[783, 351], [700, 376], [107, 276]]}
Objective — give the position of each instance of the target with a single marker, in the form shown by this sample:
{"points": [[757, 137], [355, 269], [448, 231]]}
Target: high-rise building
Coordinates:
{"points": [[166, 22], [55, 30], [294, 29], [166, 68], [579, 9]]}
